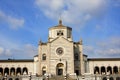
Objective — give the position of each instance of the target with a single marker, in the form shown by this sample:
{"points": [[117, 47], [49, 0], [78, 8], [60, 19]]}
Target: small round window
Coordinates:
{"points": [[59, 51]]}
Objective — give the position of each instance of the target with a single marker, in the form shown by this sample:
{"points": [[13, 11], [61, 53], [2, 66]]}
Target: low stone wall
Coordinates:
{"points": [[99, 77], [85, 77]]}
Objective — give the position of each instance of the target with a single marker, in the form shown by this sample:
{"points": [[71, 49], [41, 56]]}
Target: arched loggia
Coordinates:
{"points": [[115, 69], [6, 71], [12, 71], [96, 70], [103, 71], [18, 71], [1, 71], [25, 71], [109, 70]]}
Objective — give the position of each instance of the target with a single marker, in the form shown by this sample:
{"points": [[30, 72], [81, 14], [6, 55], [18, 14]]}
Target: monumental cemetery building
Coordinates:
{"points": [[60, 55]]}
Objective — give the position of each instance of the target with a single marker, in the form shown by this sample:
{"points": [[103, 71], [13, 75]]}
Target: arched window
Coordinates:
{"points": [[44, 57], [60, 33]]}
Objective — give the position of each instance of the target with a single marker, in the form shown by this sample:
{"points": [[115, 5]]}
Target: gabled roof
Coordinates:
{"points": [[59, 37]]}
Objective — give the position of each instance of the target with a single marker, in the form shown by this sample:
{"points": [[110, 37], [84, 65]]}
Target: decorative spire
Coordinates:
{"points": [[81, 41], [60, 18], [60, 22], [40, 42]]}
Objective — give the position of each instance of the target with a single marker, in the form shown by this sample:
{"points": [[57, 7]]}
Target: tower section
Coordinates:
{"points": [[60, 30]]}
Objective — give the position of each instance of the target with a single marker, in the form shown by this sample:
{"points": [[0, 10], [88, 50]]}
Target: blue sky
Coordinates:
{"points": [[23, 23]]}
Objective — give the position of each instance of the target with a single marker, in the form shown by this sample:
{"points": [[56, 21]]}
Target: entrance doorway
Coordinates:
{"points": [[59, 69]]}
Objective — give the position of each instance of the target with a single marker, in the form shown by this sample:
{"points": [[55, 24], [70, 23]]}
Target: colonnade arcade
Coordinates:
{"points": [[13, 71], [106, 70]]}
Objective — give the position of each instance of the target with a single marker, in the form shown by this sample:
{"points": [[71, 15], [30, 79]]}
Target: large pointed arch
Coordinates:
{"points": [[59, 68]]}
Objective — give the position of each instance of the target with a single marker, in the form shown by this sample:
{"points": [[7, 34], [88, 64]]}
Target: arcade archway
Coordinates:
{"points": [[6, 71], [12, 71], [25, 71], [96, 70], [103, 71], [109, 70], [18, 71], [1, 71], [115, 69]]}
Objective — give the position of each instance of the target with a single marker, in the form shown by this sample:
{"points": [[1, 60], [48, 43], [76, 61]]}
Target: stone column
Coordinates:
{"points": [[39, 68], [81, 57]]}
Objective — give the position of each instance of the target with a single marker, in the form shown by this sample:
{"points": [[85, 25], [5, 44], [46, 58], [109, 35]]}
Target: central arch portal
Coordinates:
{"points": [[59, 69]]}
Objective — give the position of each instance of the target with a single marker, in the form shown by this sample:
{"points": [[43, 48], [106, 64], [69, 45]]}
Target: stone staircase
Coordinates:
{"points": [[57, 78], [60, 78]]}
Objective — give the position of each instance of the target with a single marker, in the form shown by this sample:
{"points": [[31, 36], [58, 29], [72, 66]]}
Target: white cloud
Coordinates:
{"points": [[8, 52], [7, 42], [110, 47], [13, 22], [10, 48], [1, 50], [30, 50], [26, 51], [72, 11], [106, 48]]}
